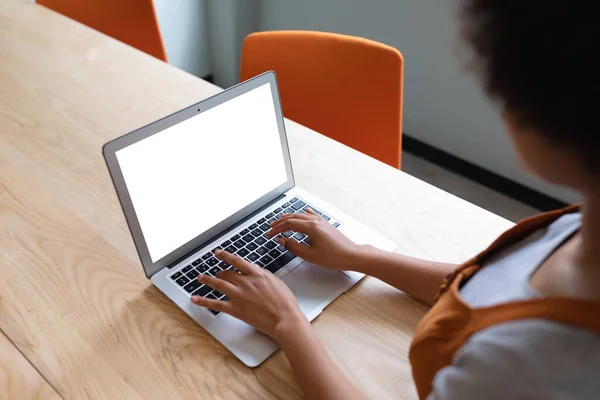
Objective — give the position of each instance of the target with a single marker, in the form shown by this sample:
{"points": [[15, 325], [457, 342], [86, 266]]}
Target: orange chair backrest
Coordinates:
{"points": [[131, 21], [345, 87]]}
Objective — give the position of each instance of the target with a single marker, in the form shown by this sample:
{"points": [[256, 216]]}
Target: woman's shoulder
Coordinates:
{"points": [[526, 358]]}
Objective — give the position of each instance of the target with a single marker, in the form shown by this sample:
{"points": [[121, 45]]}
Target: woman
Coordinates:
{"points": [[522, 319]]}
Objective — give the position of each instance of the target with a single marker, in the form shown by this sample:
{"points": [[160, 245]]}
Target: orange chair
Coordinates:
{"points": [[345, 87], [131, 21]]}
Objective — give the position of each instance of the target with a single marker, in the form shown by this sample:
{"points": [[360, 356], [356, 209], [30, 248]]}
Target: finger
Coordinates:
{"points": [[280, 220], [310, 211], [242, 265], [299, 249], [288, 216], [292, 224], [217, 284], [230, 276], [217, 305]]}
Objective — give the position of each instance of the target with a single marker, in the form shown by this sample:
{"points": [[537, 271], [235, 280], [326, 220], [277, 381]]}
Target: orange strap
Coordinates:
{"points": [[579, 313], [508, 238]]}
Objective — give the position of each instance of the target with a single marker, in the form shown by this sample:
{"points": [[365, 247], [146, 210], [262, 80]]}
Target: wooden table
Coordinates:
{"points": [[78, 317]]}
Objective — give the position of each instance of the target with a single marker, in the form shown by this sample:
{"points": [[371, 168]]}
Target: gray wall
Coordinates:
{"points": [[229, 22], [185, 34], [205, 36], [443, 105]]}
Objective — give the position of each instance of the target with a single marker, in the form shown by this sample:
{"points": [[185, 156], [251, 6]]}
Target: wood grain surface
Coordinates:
{"points": [[73, 296], [18, 378]]}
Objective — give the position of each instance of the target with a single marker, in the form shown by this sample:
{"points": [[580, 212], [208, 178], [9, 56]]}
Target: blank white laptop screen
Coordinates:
{"points": [[186, 179]]}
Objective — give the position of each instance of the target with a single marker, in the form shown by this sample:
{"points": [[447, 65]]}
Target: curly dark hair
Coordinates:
{"points": [[538, 59]]}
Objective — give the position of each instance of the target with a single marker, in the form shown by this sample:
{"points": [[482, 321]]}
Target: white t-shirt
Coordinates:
{"points": [[525, 359]]}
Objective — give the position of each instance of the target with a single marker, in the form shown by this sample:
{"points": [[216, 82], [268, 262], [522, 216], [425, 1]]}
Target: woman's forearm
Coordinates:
{"points": [[318, 375], [418, 278]]}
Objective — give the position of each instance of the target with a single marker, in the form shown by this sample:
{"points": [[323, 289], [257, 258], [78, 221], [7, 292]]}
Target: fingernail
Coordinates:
{"points": [[218, 251], [282, 241], [268, 234], [200, 277], [195, 299]]}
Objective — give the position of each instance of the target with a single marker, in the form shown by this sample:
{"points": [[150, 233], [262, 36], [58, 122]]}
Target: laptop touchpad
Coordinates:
{"points": [[313, 285]]}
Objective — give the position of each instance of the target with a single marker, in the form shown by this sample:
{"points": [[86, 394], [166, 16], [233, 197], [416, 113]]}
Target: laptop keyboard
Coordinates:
{"points": [[250, 243]]}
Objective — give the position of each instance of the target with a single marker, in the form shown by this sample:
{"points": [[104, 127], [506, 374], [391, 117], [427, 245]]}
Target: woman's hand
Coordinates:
{"points": [[262, 300], [329, 248], [256, 296]]}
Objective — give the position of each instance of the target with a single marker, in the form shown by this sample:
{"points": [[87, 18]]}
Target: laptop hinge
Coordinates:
{"points": [[225, 231]]}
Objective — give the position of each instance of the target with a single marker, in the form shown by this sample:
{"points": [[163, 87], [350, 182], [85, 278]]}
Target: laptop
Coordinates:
{"points": [[215, 175]]}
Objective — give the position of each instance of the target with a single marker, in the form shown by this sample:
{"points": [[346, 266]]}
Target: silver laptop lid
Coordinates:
{"points": [[189, 176]]}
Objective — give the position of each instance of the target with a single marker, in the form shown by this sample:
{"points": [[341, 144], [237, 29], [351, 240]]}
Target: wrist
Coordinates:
{"points": [[290, 327], [361, 257]]}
